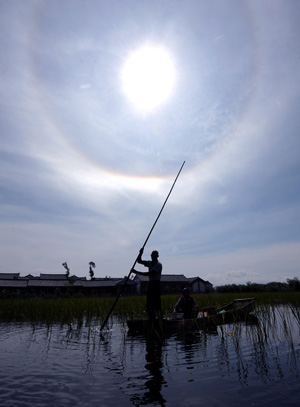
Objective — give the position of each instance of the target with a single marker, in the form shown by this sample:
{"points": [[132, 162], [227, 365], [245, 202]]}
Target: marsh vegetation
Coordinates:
{"points": [[78, 309]]}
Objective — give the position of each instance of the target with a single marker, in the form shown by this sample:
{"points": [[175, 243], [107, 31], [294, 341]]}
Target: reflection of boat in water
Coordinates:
{"points": [[238, 310]]}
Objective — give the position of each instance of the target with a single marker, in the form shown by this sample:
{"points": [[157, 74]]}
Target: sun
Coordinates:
{"points": [[148, 77]]}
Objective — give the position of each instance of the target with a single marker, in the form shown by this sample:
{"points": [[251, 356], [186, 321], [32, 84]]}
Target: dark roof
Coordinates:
{"points": [[99, 283], [106, 279], [53, 276], [9, 276], [61, 280], [174, 278], [48, 283], [59, 277], [13, 283], [192, 279], [28, 277], [112, 282]]}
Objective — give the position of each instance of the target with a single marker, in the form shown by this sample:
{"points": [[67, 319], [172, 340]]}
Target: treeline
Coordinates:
{"points": [[290, 285]]}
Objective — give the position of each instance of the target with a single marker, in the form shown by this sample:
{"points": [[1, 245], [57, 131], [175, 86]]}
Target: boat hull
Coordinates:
{"points": [[237, 311]]}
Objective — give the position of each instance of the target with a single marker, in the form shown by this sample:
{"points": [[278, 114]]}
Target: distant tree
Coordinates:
{"points": [[293, 283], [65, 265], [274, 286], [71, 279], [91, 271], [255, 287]]}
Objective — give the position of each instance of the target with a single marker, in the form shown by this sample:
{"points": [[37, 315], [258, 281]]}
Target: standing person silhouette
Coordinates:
{"points": [[153, 304]]}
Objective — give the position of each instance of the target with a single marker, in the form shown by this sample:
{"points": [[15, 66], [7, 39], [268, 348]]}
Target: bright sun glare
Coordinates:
{"points": [[148, 77]]}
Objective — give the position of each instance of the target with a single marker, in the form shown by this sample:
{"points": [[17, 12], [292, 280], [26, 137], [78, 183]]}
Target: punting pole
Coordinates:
{"points": [[127, 278]]}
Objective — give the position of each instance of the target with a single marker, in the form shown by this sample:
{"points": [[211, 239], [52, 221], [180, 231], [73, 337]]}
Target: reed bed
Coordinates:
{"points": [[70, 310]]}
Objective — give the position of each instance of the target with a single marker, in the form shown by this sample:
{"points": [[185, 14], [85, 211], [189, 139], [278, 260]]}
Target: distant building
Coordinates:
{"points": [[173, 284], [60, 284], [198, 285], [108, 287]]}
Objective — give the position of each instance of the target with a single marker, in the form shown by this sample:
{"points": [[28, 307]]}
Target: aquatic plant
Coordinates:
{"points": [[79, 308]]}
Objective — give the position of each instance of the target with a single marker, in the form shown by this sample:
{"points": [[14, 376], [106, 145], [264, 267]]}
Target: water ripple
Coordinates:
{"points": [[46, 366]]}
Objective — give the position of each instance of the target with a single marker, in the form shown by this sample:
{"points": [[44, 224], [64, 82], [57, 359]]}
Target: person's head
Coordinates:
{"points": [[154, 255], [186, 291]]}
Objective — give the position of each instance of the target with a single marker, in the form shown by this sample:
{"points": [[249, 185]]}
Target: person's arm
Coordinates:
{"points": [[140, 273], [177, 306], [139, 258]]}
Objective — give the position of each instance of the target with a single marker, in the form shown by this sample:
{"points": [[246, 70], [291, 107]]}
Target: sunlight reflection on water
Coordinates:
{"points": [[63, 366]]}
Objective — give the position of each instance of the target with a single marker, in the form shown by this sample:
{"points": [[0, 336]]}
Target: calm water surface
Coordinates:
{"points": [[76, 366]]}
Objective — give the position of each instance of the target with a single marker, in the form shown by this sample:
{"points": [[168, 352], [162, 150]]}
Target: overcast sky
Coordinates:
{"points": [[84, 172]]}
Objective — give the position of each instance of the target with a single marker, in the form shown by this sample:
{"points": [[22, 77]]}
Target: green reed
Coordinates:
{"points": [[76, 309]]}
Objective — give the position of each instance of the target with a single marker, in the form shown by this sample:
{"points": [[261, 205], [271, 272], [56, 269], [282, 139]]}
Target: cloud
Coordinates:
{"points": [[237, 274], [258, 264]]}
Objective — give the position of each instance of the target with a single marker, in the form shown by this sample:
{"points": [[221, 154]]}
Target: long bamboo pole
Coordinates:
{"points": [[127, 278]]}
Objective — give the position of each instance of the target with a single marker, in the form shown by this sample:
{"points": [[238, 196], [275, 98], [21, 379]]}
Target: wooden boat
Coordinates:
{"points": [[237, 311]]}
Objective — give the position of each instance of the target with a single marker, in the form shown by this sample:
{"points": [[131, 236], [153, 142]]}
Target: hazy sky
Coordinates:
{"points": [[84, 172]]}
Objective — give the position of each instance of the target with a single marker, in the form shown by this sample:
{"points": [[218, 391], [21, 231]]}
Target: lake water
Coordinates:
{"points": [[238, 365]]}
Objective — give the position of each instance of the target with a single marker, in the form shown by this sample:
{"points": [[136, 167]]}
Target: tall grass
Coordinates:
{"points": [[68, 310]]}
